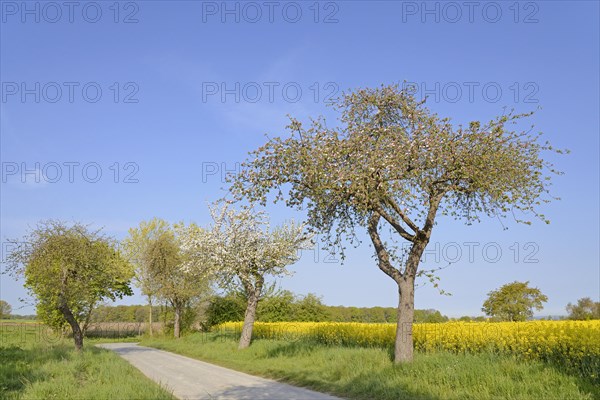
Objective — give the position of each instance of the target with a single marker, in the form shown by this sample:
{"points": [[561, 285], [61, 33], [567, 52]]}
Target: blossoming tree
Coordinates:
{"points": [[243, 250], [393, 165]]}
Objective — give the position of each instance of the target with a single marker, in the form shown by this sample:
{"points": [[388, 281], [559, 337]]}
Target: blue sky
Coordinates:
{"points": [[115, 114]]}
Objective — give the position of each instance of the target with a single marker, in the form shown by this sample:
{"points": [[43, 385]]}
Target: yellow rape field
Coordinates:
{"points": [[572, 344]]}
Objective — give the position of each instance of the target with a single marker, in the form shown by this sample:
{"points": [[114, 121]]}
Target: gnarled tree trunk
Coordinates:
{"points": [[253, 293], [77, 333], [403, 346]]}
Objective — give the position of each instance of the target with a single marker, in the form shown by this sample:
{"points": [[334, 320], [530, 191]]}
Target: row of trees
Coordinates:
{"points": [[514, 301], [182, 264], [131, 313], [275, 306], [390, 167], [70, 270], [284, 306]]}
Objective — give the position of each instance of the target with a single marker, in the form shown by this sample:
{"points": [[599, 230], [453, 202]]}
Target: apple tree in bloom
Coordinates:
{"points": [[243, 250], [392, 165]]}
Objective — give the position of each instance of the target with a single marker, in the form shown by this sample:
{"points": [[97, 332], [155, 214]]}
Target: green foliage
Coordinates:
{"points": [[379, 314], [514, 302], [155, 249], [5, 309], [585, 309], [122, 313], [467, 318], [69, 270], [310, 308], [285, 306], [356, 314], [224, 309], [429, 316], [277, 307]]}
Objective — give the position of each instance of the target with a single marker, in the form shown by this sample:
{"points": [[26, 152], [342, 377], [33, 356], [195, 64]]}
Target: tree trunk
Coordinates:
{"points": [[150, 317], [249, 318], [77, 333], [177, 324], [403, 348]]}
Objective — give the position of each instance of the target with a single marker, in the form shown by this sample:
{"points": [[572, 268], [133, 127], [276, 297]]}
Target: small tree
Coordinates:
{"points": [[224, 309], [585, 309], [310, 308], [243, 251], [5, 309], [429, 316], [155, 247], [136, 248], [70, 270], [392, 166], [514, 302], [277, 306]]}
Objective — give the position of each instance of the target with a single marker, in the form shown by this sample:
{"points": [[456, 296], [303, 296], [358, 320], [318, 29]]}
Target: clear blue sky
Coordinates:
{"points": [[189, 87]]}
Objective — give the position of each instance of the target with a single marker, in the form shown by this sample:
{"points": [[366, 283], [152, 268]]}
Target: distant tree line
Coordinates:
{"points": [[132, 313], [585, 309], [276, 306], [19, 316], [285, 306]]}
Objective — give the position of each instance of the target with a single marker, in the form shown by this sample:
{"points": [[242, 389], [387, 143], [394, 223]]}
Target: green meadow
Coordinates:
{"points": [[35, 363]]}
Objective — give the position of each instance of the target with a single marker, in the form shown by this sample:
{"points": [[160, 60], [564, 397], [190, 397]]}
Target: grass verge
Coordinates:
{"points": [[368, 373], [37, 365]]}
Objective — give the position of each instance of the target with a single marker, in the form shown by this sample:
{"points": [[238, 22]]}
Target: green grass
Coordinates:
{"points": [[36, 364], [368, 373]]}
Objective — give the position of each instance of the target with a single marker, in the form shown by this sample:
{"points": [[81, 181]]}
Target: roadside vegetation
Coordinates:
{"points": [[367, 373], [36, 363]]}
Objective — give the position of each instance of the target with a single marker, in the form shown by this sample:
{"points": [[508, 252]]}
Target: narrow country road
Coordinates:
{"points": [[192, 379]]}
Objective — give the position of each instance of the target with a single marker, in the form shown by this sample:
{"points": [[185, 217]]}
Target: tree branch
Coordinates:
{"points": [[383, 257], [402, 215], [434, 202], [392, 221]]}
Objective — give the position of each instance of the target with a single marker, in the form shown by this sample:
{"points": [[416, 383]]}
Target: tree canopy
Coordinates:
{"points": [[160, 267], [70, 270], [5, 309], [393, 165], [585, 309], [243, 250], [514, 302]]}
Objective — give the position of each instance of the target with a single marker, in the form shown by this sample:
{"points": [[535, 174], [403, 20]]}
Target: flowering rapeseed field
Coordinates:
{"points": [[572, 344]]}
